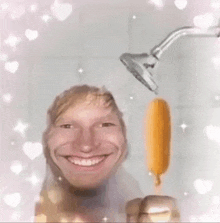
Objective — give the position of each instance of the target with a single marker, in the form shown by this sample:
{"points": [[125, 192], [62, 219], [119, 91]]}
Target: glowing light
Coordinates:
{"points": [[186, 193], [12, 200], [34, 180], [131, 97], [134, 17], [183, 126], [105, 219], [213, 133], [16, 167], [158, 3], [215, 4], [60, 178], [4, 6], [150, 174], [31, 34], [46, 18], [203, 186], [80, 70], [16, 216], [21, 128], [77, 220], [217, 97], [203, 21], [3, 57], [12, 67], [180, 4], [33, 8], [7, 98], [12, 41], [61, 10], [216, 62], [32, 150], [18, 12]]}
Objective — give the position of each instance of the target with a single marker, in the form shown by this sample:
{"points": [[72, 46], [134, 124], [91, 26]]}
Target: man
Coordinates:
{"points": [[84, 145]]}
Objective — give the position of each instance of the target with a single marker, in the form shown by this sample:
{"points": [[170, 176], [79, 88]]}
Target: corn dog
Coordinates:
{"points": [[157, 141]]}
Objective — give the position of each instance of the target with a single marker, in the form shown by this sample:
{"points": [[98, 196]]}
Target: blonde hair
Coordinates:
{"points": [[83, 94]]}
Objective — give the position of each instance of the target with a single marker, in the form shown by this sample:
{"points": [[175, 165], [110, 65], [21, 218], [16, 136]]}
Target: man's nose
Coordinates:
{"points": [[87, 140]]}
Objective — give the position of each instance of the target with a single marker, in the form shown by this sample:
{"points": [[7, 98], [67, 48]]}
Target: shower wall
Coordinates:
{"points": [[83, 46]]}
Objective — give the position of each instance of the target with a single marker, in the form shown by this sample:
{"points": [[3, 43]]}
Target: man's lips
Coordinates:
{"points": [[86, 161]]}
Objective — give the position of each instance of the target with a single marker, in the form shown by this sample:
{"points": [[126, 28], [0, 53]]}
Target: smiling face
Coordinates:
{"points": [[87, 143]]}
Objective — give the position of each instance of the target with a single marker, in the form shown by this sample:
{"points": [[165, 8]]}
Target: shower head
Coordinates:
{"points": [[137, 64]]}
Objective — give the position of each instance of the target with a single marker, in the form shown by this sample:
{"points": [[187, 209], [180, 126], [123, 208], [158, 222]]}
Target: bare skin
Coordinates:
{"points": [[87, 143]]}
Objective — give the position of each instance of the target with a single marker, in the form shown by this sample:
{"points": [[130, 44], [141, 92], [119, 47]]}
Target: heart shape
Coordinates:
{"points": [[203, 21], [203, 186], [213, 133], [31, 34], [16, 167], [11, 66], [61, 11], [12, 200], [32, 150], [180, 4]]}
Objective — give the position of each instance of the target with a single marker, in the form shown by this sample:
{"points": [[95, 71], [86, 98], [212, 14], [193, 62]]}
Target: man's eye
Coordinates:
{"points": [[107, 124], [66, 126]]}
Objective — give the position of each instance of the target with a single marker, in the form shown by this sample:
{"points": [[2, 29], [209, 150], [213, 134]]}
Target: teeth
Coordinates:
{"points": [[85, 162]]}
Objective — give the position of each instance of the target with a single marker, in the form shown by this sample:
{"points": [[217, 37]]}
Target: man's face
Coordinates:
{"points": [[87, 143]]}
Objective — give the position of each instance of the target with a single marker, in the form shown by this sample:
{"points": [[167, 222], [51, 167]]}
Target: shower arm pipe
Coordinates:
{"points": [[158, 50]]}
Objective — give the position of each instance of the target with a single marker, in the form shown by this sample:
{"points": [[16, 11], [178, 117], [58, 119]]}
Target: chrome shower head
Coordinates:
{"points": [[137, 64]]}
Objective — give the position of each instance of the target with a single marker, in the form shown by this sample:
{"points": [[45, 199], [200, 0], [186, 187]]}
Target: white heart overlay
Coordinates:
{"points": [[61, 11], [32, 150], [11, 66], [12, 200], [31, 34], [203, 186]]}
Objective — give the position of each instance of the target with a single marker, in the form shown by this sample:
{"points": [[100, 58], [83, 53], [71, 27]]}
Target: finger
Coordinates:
{"points": [[155, 208], [132, 209]]}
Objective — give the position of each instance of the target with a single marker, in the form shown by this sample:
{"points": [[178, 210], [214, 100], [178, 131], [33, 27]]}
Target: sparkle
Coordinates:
{"points": [[34, 180], [46, 18], [150, 174], [21, 127], [12, 41], [186, 193], [7, 98], [60, 178], [134, 17], [217, 97], [80, 70], [131, 97], [105, 219], [183, 126]]}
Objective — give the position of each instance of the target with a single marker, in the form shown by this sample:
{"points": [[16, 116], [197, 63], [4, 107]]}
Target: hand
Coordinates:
{"points": [[152, 208]]}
